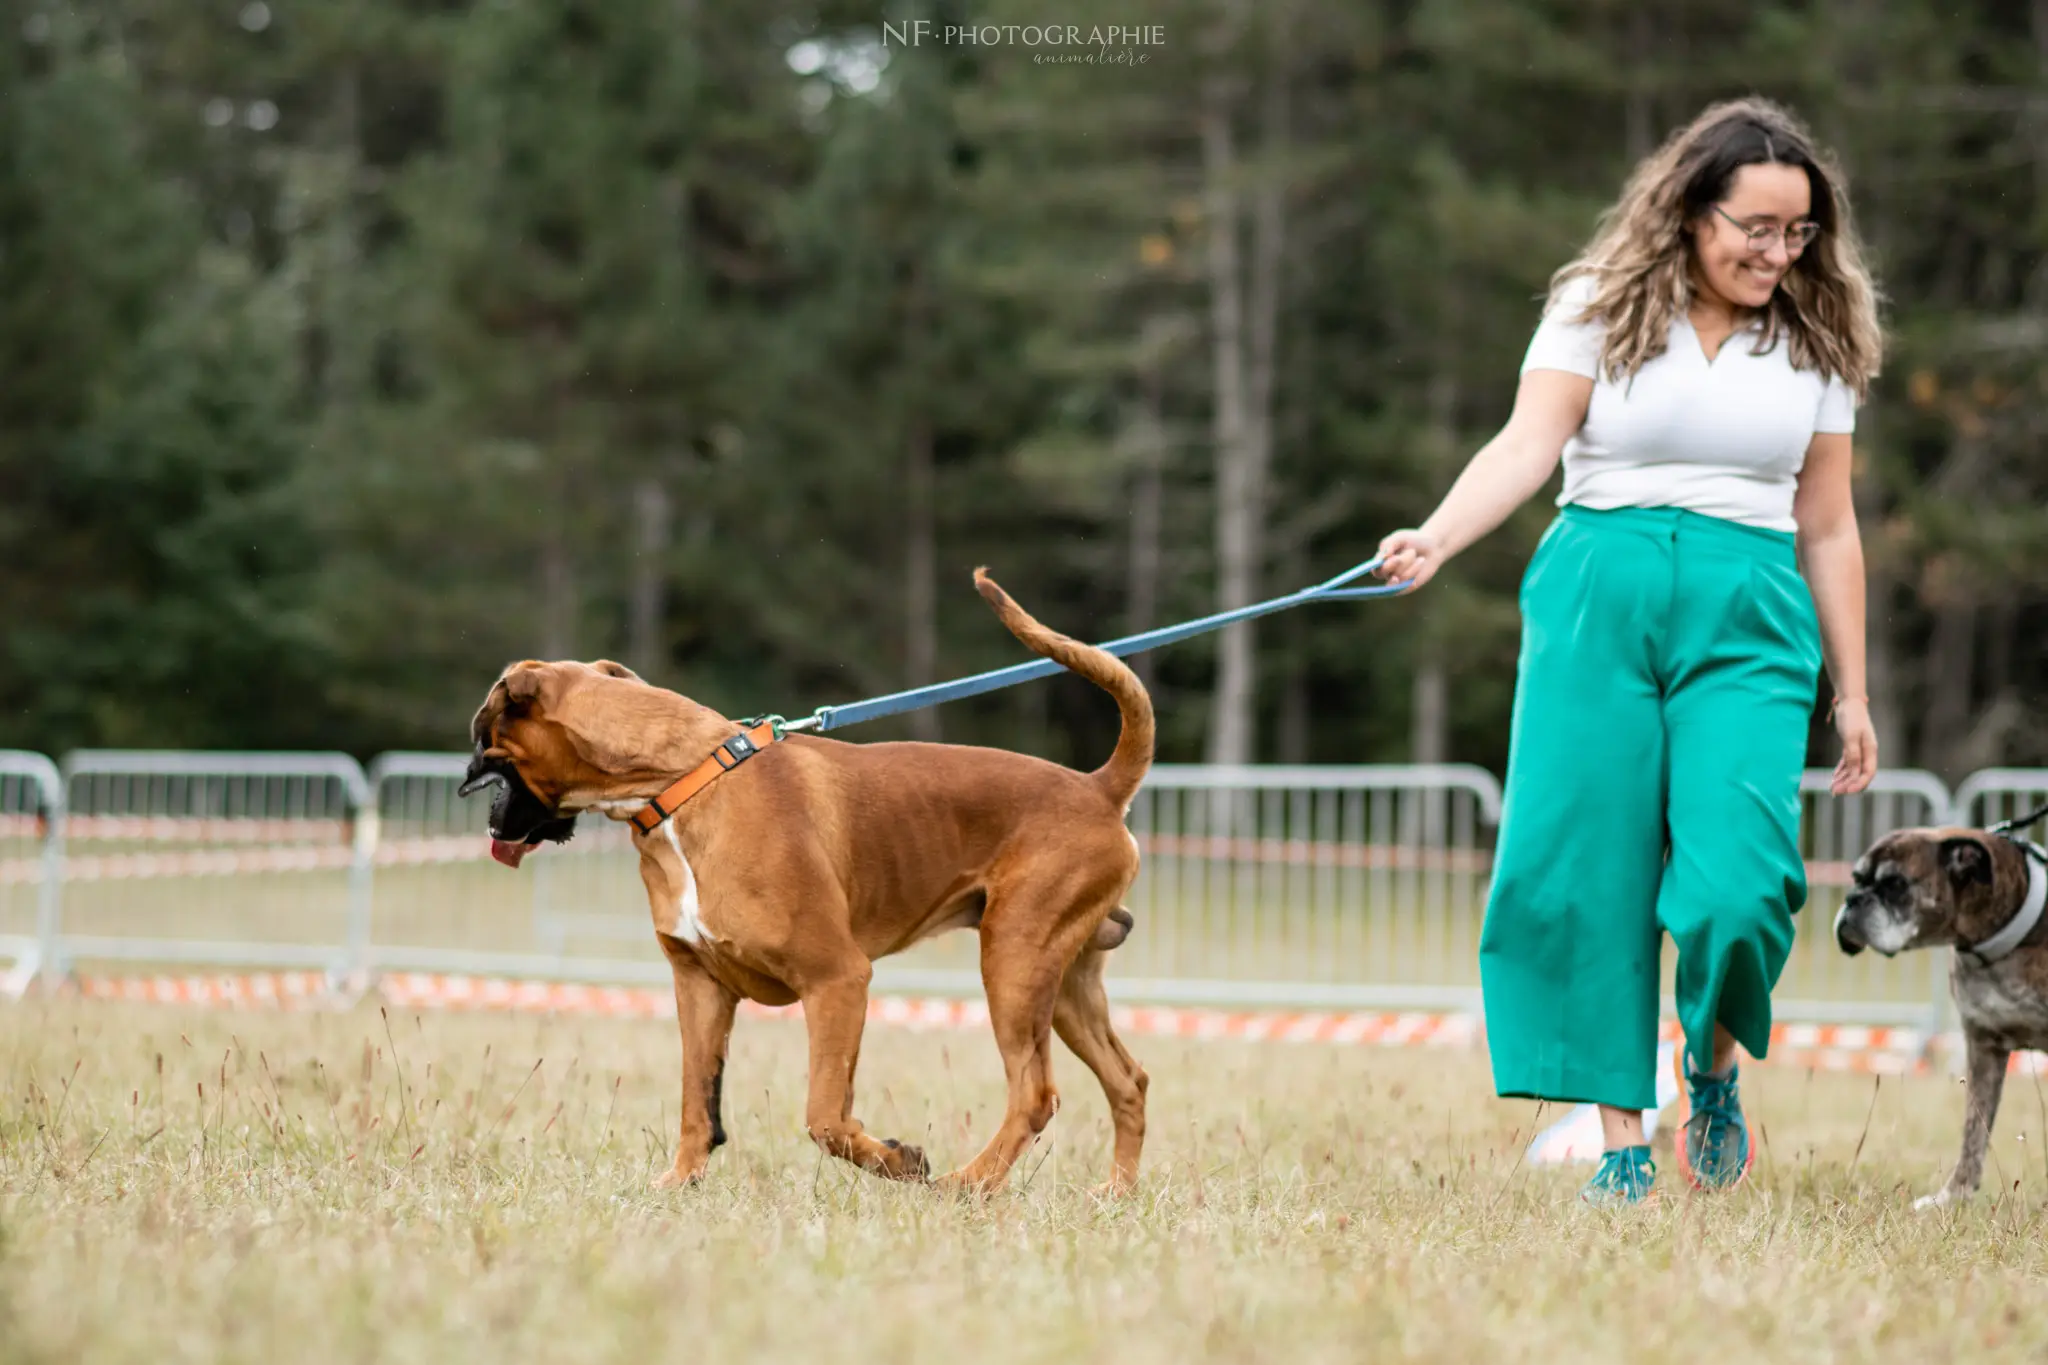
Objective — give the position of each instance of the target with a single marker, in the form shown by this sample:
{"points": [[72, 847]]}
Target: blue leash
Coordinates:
{"points": [[917, 698]]}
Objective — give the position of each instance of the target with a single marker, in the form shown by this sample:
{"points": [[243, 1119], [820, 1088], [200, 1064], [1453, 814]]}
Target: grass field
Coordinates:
{"points": [[181, 1186]]}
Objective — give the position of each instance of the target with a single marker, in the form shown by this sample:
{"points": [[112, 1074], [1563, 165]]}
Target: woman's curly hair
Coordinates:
{"points": [[1638, 265]]}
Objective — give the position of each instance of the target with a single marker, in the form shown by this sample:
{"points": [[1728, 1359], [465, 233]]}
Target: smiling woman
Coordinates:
{"points": [[1697, 372]]}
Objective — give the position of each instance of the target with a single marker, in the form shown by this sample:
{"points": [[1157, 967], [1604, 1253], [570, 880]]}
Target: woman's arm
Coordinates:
{"points": [[1550, 406], [1831, 557]]}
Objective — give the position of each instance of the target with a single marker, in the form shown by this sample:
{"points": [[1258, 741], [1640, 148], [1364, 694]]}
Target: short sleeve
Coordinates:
{"points": [[1561, 341], [1837, 409]]}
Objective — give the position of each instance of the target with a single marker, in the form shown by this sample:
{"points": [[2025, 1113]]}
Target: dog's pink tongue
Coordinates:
{"points": [[510, 853]]}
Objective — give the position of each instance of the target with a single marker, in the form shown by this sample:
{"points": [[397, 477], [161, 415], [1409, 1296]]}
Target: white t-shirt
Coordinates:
{"points": [[1725, 439]]}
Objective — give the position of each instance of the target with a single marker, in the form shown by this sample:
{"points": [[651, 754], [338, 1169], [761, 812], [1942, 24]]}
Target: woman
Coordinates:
{"points": [[1698, 370]]}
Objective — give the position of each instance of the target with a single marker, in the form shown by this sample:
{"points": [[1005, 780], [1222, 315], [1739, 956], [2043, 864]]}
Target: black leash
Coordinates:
{"points": [[2019, 822]]}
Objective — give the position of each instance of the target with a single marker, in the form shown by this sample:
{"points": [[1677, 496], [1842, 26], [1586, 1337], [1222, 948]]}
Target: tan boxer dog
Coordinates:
{"points": [[1982, 892], [779, 870]]}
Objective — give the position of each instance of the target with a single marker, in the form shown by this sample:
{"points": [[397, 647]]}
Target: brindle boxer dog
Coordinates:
{"points": [[779, 871], [1983, 892]]}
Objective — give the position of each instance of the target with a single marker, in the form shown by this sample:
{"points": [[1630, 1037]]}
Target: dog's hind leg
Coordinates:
{"points": [[704, 1013], [1081, 1015], [835, 1015], [1020, 1011], [1022, 961]]}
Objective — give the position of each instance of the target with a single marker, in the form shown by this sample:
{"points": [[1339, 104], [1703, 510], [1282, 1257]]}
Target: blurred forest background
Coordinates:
{"points": [[352, 348]]}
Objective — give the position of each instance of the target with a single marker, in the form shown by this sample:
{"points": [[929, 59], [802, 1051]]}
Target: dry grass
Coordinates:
{"points": [[336, 1187]]}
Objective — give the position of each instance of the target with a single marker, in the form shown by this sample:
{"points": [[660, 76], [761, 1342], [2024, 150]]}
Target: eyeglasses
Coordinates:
{"points": [[1796, 237]]}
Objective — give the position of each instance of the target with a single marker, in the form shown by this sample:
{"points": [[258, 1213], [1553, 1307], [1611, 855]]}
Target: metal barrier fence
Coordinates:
{"points": [[213, 858], [1291, 880], [1329, 887], [31, 853], [1997, 794], [1314, 887]]}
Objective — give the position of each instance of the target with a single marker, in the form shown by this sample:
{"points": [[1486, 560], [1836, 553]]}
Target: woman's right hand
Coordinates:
{"points": [[1410, 557]]}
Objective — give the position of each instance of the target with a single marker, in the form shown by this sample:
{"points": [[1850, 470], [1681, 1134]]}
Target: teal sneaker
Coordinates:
{"points": [[1714, 1152], [1625, 1177]]}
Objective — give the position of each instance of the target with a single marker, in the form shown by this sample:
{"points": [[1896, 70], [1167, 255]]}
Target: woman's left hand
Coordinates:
{"points": [[1859, 747]]}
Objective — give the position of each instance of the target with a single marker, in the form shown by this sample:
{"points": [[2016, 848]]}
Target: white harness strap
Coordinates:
{"points": [[2015, 932]]}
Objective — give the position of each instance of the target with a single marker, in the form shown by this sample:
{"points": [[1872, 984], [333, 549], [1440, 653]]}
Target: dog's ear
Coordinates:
{"points": [[486, 717], [1966, 861], [520, 684], [528, 682], [616, 670]]}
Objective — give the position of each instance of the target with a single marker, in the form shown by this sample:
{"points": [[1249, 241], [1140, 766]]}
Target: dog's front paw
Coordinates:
{"points": [[1940, 1200]]}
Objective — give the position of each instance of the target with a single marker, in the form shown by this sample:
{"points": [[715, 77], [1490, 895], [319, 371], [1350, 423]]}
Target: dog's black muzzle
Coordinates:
{"points": [[517, 815], [1848, 933], [1868, 920]]}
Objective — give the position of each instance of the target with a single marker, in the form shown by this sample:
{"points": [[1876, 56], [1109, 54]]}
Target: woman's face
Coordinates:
{"points": [[1732, 267]]}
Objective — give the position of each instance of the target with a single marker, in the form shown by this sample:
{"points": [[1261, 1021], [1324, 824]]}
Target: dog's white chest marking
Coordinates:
{"points": [[690, 925]]}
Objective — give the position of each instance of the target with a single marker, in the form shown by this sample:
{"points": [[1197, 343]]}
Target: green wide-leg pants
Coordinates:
{"points": [[1661, 708]]}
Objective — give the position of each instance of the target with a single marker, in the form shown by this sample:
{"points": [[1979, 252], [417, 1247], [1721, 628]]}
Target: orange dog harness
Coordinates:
{"points": [[724, 759]]}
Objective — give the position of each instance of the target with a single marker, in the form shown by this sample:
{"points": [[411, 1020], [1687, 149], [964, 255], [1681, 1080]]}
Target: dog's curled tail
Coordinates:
{"points": [[1132, 758]]}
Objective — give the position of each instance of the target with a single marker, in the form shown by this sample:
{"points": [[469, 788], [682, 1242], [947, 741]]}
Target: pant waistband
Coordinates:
{"points": [[1679, 523]]}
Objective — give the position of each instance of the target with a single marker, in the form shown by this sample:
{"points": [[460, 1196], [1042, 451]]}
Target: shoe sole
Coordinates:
{"points": [[1692, 1177], [1647, 1201]]}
